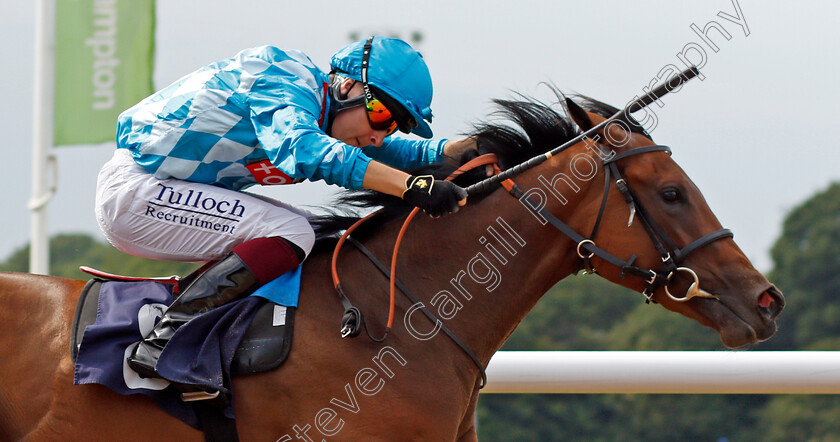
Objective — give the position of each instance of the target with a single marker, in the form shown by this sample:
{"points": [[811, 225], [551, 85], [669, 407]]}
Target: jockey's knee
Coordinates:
{"points": [[268, 258], [298, 232]]}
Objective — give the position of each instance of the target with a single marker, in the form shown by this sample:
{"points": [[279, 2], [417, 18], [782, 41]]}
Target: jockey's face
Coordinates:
{"points": [[351, 125]]}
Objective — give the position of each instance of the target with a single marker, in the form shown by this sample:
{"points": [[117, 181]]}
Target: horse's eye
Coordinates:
{"points": [[671, 195]]}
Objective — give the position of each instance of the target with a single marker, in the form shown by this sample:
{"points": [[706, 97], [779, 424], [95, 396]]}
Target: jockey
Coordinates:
{"points": [[173, 190]]}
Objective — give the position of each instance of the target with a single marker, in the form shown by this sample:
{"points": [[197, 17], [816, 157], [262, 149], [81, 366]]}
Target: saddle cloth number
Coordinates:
{"points": [[266, 174]]}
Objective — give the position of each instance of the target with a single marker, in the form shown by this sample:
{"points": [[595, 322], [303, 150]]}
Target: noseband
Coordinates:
{"points": [[670, 255]]}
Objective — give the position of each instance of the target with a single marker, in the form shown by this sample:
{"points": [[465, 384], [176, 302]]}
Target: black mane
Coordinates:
{"points": [[528, 128]]}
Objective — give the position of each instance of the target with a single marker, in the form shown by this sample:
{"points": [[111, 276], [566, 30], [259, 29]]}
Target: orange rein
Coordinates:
{"points": [[475, 162]]}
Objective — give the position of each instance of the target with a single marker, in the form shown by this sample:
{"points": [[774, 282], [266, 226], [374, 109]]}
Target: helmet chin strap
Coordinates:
{"points": [[340, 102]]}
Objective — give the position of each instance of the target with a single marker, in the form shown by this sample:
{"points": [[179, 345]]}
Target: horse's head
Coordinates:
{"points": [[730, 295]]}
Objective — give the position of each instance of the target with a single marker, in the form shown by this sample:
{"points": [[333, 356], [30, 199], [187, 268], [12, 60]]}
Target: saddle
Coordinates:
{"points": [[264, 346], [251, 335]]}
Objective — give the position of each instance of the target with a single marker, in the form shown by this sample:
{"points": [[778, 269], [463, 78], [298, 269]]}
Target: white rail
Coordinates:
{"points": [[694, 372]]}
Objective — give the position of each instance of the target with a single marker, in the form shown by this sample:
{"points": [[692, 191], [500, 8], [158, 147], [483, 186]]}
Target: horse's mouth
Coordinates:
{"points": [[740, 324], [736, 328], [734, 331]]}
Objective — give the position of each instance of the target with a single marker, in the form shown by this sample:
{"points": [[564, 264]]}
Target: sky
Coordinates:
{"points": [[756, 135]]}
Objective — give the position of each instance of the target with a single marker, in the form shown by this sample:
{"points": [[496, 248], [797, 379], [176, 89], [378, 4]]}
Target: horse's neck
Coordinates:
{"points": [[499, 259]]}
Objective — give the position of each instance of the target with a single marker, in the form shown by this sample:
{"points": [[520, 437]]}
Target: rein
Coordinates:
{"points": [[670, 254], [353, 320]]}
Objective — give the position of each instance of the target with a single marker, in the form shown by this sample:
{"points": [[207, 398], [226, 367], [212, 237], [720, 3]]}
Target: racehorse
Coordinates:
{"points": [[643, 224]]}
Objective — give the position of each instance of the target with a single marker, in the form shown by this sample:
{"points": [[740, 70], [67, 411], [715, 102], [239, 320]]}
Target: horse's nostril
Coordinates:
{"points": [[765, 300], [771, 302]]}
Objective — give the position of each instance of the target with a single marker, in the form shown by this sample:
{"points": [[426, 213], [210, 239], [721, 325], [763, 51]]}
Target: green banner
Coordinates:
{"points": [[104, 55]]}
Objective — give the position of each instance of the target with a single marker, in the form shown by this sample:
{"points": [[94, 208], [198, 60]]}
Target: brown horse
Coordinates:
{"points": [[480, 271]]}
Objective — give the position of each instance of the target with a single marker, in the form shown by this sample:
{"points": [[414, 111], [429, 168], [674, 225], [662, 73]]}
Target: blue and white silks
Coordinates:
{"points": [[263, 103]]}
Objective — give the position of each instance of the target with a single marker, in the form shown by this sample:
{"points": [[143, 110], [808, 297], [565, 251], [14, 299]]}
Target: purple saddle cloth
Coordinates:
{"points": [[200, 353]]}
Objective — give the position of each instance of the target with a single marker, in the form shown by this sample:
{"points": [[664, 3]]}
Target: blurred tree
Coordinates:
{"points": [[801, 418], [807, 269], [416, 37], [69, 251], [678, 417], [545, 417], [650, 328], [589, 313]]}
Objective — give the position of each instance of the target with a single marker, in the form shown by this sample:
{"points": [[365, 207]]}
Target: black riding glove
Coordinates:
{"points": [[435, 197]]}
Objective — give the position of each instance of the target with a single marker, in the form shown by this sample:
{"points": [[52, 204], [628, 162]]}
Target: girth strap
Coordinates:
{"points": [[216, 425]]}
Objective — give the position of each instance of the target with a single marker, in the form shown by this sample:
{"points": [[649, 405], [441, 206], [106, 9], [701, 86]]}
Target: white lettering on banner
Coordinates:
{"points": [[103, 44], [267, 174]]}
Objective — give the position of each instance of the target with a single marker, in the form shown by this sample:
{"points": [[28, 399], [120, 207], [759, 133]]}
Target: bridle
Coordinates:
{"points": [[670, 255]]}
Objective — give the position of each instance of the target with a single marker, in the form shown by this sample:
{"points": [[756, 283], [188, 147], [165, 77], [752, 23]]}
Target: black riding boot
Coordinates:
{"points": [[226, 281]]}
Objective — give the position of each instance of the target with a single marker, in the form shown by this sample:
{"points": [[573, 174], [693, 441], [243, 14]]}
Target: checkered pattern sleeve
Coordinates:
{"points": [[263, 103], [285, 116], [407, 154]]}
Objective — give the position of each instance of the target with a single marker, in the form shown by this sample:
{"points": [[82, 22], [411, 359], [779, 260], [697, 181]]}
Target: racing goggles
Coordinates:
{"points": [[383, 112], [378, 115]]}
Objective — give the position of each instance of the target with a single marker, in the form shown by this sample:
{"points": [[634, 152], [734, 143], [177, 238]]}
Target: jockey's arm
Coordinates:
{"points": [[437, 199], [405, 154], [454, 149], [385, 179]]}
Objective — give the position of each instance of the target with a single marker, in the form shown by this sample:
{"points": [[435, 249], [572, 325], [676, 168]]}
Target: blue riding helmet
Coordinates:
{"points": [[396, 69]]}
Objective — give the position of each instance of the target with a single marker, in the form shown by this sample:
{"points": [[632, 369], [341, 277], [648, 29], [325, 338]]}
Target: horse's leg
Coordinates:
{"points": [[34, 336], [419, 400]]}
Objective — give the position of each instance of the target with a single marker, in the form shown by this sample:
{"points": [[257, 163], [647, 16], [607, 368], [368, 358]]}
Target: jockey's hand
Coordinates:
{"points": [[472, 154], [435, 197], [454, 150]]}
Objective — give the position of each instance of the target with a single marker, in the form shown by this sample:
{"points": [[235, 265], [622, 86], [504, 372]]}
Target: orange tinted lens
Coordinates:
{"points": [[380, 117], [377, 112], [391, 128]]}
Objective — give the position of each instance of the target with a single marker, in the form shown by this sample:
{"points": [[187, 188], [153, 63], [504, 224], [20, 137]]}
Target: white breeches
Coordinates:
{"points": [[178, 220]]}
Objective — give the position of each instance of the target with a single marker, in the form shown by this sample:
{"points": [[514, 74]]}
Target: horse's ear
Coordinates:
{"points": [[578, 115]]}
